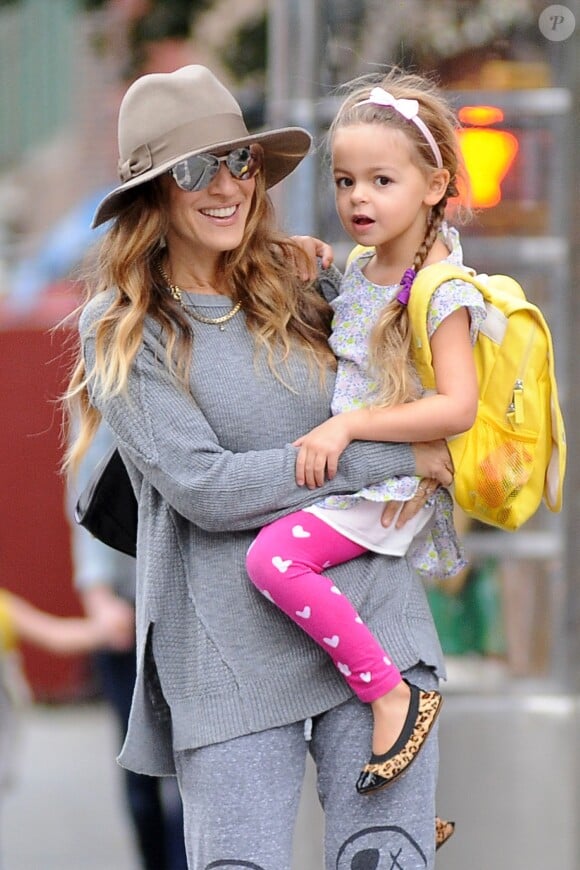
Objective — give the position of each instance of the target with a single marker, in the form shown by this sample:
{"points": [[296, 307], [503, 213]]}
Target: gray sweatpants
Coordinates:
{"points": [[241, 797]]}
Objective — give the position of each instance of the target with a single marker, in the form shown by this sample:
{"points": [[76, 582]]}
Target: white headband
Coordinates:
{"points": [[409, 109]]}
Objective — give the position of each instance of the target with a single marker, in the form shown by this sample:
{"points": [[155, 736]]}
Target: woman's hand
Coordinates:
{"points": [[411, 508], [432, 459], [320, 451], [313, 248], [434, 464]]}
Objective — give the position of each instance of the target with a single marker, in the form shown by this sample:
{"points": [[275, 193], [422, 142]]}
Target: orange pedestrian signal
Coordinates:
{"points": [[487, 153]]}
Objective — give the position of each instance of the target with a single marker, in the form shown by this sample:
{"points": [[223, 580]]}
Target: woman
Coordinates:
{"points": [[208, 357]]}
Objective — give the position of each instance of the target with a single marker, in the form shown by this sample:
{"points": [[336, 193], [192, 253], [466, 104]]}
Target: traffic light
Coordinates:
{"points": [[488, 154]]}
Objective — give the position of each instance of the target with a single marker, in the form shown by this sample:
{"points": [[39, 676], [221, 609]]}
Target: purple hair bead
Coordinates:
{"points": [[406, 283]]}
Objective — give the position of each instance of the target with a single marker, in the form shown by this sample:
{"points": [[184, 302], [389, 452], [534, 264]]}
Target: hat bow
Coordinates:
{"points": [[139, 161]]}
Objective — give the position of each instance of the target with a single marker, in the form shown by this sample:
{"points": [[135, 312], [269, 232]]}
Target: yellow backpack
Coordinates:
{"points": [[514, 455]]}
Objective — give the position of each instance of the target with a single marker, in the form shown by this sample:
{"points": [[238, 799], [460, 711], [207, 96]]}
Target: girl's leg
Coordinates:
{"points": [[240, 799], [285, 563], [396, 828]]}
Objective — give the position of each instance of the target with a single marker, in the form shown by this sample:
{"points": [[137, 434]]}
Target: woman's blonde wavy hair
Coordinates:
{"points": [[283, 313], [390, 341]]}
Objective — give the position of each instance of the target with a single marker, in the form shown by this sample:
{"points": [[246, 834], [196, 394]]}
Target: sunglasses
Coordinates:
{"points": [[197, 172]]}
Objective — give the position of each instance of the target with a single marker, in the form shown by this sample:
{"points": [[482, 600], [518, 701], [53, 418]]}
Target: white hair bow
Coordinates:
{"points": [[409, 109]]}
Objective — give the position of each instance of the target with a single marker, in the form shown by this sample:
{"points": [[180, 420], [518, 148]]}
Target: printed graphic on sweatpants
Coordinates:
{"points": [[386, 847], [234, 864]]}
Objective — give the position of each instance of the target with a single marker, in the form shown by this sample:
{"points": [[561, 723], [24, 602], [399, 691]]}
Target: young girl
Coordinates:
{"points": [[395, 166]]}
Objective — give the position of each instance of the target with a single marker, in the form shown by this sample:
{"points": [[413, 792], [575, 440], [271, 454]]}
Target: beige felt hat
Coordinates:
{"points": [[166, 117]]}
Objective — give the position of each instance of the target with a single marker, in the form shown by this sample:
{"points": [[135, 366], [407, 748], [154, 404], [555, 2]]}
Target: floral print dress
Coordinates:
{"points": [[436, 552]]}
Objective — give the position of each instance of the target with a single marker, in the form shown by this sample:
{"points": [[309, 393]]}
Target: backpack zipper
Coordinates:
{"points": [[515, 411], [516, 406]]}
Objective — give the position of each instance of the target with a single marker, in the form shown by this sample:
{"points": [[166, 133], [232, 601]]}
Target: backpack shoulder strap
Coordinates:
{"points": [[424, 285], [356, 252]]}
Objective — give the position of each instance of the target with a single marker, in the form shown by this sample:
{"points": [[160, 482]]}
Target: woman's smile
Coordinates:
{"points": [[220, 213]]}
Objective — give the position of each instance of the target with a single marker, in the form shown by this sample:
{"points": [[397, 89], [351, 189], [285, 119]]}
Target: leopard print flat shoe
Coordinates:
{"points": [[382, 770], [443, 831]]}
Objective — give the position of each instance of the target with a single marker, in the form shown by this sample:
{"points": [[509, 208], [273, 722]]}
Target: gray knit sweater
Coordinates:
{"points": [[216, 659]]}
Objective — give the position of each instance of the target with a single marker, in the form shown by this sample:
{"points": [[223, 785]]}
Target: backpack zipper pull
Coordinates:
{"points": [[516, 406], [515, 410]]}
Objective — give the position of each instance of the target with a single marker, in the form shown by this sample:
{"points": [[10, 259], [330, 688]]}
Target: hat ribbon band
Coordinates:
{"points": [[199, 135]]}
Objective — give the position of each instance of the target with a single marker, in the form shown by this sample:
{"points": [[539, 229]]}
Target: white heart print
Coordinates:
{"points": [[267, 595], [366, 676], [304, 614], [300, 532], [332, 641], [344, 669], [281, 564], [336, 590], [387, 661]]}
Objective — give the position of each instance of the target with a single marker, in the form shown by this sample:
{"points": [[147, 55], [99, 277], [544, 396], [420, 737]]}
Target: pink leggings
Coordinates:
{"points": [[285, 563]]}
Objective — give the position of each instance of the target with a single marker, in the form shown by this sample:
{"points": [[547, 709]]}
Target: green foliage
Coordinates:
{"points": [[245, 56], [186, 9]]}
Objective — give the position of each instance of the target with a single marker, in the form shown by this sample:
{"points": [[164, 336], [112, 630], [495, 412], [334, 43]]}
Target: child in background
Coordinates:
{"points": [[395, 165], [63, 635], [14, 693], [22, 621]]}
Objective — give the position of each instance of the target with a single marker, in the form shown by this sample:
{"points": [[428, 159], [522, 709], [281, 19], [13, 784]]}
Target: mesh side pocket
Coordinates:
{"points": [[503, 464]]}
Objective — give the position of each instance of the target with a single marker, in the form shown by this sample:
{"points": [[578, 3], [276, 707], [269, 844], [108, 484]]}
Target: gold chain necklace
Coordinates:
{"points": [[177, 294]]}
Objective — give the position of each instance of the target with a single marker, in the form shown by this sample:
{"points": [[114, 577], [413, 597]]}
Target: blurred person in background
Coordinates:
{"points": [[105, 580], [21, 622]]}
